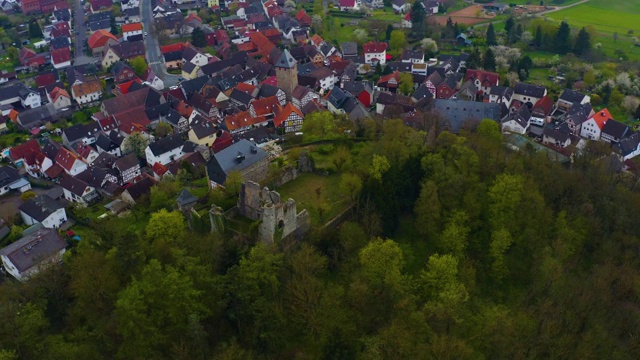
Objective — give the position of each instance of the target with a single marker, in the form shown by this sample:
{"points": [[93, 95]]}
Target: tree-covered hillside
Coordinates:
{"points": [[458, 248]]}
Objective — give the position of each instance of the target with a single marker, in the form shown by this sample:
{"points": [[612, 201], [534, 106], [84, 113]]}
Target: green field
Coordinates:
{"points": [[547, 2], [607, 18]]}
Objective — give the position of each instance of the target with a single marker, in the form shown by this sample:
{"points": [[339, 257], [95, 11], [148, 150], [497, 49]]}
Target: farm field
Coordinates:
{"points": [[547, 3], [607, 18], [467, 16]]}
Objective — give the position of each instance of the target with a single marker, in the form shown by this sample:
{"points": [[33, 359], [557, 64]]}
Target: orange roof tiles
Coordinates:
{"points": [[100, 38], [132, 27], [601, 117]]}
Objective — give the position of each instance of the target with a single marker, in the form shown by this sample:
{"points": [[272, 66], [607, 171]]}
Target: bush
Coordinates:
{"points": [[325, 149]]}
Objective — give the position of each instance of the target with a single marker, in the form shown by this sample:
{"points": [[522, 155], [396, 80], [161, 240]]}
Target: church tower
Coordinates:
{"points": [[287, 73]]}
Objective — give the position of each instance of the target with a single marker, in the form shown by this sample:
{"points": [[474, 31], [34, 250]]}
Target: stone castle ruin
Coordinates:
{"points": [[279, 220]]}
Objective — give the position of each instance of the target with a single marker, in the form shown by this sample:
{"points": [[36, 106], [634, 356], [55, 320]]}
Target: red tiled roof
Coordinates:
{"points": [[131, 27], [348, 3], [285, 113], [545, 103], [124, 87], [100, 38], [222, 142], [45, 79], [242, 119], [66, 159], [159, 169], [83, 150], [303, 18], [60, 56], [54, 171], [374, 47], [173, 48], [135, 118], [26, 151], [246, 88], [386, 78], [108, 123], [272, 80], [192, 16], [316, 40], [57, 92], [266, 105], [184, 109], [486, 78]]}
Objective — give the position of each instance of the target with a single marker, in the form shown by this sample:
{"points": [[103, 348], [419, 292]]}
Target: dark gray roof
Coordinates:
{"points": [[556, 133], [267, 90], [456, 113], [40, 207], [531, 90], [77, 132], [241, 97], [193, 85], [629, 144], [236, 157], [521, 116], [337, 97], [8, 175], [186, 198], [422, 92], [412, 54], [73, 184], [59, 43], [615, 128], [572, 96], [204, 130], [349, 48], [141, 188], [34, 248], [99, 24], [286, 60], [166, 144], [127, 162]]}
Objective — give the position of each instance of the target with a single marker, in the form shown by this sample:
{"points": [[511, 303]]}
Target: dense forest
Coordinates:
{"points": [[458, 248]]}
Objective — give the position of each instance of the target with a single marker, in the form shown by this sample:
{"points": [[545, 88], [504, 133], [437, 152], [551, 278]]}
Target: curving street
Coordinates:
{"points": [[154, 56]]}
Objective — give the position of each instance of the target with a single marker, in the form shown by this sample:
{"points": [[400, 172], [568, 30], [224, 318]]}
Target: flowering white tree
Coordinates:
{"points": [[429, 45]]}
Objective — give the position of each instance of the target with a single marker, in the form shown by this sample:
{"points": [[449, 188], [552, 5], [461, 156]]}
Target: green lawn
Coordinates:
{"points": [[312, 192], [607, 18]]}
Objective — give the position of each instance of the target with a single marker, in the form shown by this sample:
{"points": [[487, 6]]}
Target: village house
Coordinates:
{"points": [[243, 156], [78, 191], [528, 94], [592, 128], [517, 122], [44, 210], [614, 131], [129, 168], [483, 80], [59, 97], [375, 53], [132, 31], [541, 111], [164, 150], [289, 118], [33, 253], [10, 179], [86, 92]]}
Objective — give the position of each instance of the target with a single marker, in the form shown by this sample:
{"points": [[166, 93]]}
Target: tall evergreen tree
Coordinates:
{"points": [[34, 30], [562, 40], [418, 13], [509, 25], [474, 60], [491, 35], [538, 39], [583, 42], [198, 38], [489, 60]]}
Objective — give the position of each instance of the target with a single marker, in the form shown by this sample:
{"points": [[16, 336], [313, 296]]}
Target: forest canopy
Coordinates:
{"points": [[458, 248]]}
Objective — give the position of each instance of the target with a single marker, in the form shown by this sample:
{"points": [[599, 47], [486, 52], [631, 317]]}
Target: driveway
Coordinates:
{"points": [[154, 56]]}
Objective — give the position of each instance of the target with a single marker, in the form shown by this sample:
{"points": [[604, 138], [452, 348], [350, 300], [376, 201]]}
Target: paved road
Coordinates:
{"points": [[154, 56], [80, 32]]}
